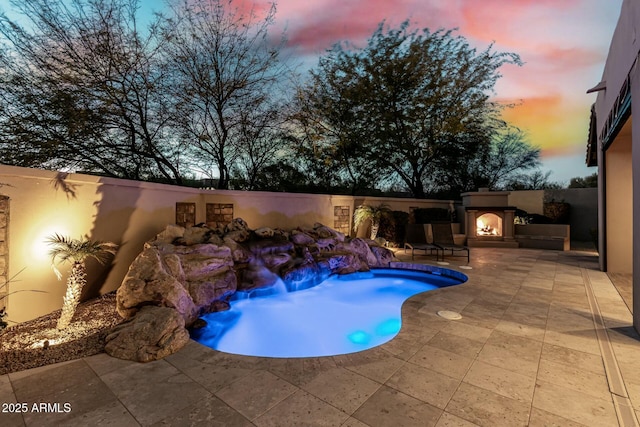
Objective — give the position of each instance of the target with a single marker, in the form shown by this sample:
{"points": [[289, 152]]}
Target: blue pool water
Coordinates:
{"points": [[343, 314]]}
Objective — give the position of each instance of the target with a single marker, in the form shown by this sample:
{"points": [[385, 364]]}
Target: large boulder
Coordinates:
{"points": [[301, 238], [148, 283], [360, 248], [383, 255], [208, 293], [187, 278], [155, 332]]}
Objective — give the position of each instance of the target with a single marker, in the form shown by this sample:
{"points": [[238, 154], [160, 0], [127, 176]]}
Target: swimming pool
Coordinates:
{"points": [[343, 314]]}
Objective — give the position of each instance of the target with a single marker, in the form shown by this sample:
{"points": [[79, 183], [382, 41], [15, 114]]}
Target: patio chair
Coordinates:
{"points": [[443, 238], [416, 239]]}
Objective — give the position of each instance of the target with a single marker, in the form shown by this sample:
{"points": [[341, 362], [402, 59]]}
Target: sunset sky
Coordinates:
{"points": [[563, 44]]}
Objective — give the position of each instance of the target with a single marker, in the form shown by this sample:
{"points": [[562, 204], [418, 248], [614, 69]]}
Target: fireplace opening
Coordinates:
{"points": [[489, 224]]}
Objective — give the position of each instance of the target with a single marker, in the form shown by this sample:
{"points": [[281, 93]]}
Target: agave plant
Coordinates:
{"points": [[371, 213], [76, 251]]}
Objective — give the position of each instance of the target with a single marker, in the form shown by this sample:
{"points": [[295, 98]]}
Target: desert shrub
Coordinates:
{"points": [[559, 212], [393, 227]]}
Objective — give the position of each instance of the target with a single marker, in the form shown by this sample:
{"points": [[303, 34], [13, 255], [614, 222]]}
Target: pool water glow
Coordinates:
{"points": [[343, 314]]}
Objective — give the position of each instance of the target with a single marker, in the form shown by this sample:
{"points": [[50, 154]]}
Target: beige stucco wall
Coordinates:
{"points": [[619, 219], [530, 201], [127, 213]]}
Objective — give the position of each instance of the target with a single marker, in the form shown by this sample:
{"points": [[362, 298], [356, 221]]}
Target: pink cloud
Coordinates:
{"points": [[313, 29]]}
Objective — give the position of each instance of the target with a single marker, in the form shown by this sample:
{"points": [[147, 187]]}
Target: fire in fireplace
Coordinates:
{"points": [[489, 224]]}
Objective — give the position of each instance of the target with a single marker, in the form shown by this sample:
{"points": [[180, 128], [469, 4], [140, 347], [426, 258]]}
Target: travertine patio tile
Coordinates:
{"points": [[50, 379], [154, 390], [538, 283], [529, 309], [7, 396], [354, 422], [486, 408], [300, 371], [209, 411], [450, 420], [206, 371], [456, 344], [103, 363], [540, 418], [403, 346], [568, 276], [573, 405], [110, 414], [375, 364], [517, 354], [442, 361], [74, 383], [391, 408], [520, 328], [301, 409], [574, 378], [501, 381], [582, 340], [574, 358], [424, 384], [342, 388], [254, 394], [472, 332]]}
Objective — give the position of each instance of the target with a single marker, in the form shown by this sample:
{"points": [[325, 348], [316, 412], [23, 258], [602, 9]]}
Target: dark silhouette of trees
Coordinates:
{"points": [[584, 182], [408, 104], [226, 72], [202, 87], [82, 89], [507, 158]]}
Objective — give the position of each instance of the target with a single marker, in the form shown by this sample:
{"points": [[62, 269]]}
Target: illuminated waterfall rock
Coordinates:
{"points": [[301, 238], [155, 332], [149, 283], [196, 270], [187, 278]]}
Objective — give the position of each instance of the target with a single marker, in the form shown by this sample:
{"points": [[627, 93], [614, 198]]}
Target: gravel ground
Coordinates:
{"points": [[38, 342]]}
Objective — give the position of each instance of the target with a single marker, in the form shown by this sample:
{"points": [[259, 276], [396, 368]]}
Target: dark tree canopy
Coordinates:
{"points": [[408, 104], [82, 89], [226, 73], [584, 182], [85, 87]]}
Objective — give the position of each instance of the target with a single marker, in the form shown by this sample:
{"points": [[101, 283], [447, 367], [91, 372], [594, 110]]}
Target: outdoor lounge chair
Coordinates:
{"points": [[443, 238], [416, 238]]}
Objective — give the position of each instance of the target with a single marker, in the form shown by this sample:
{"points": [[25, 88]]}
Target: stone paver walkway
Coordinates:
{"points": [[544, 340]]}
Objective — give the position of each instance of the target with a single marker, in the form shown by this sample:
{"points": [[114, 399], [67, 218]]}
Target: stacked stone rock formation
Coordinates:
{"points": [[193, 271]]}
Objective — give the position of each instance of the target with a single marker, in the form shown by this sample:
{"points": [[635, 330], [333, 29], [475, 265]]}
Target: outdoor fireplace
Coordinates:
{"points": [[489, 219]]}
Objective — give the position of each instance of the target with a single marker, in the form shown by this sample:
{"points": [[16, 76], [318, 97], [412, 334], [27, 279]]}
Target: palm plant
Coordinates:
{"points": [[370, 213], [76, 251]]}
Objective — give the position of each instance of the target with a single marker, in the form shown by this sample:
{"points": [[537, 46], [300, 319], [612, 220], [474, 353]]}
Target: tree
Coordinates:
{"points": [[76, 251], [405, 102], [374, 214], [83, 88], [535, 180], [584, 182], [508, 156], [226, 72]]}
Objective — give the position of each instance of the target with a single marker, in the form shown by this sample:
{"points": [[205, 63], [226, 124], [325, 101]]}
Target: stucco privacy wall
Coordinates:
{"points": [[621, 68], [129, 213]]}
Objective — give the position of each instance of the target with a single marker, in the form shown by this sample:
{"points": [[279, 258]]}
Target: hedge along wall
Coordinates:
{"points": [[130, 213]]}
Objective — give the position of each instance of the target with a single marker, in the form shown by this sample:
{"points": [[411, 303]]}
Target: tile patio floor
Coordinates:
{"points": [[544, 340]]}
